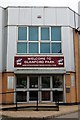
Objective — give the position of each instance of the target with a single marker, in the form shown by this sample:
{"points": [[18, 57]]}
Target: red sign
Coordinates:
{"points": [[38, 61]]}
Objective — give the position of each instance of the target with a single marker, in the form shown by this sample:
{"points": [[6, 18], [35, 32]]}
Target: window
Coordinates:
{"points": [[22, 33], [21, 96], [39, 40], [33, 47], [55, 33], [58, 96], [56, 48], [45, 48], [45, 95], [21, 82], [21, 47], [57, 81], [45, 82], [45, 34], [33, 83], [33, 33], [33, 95]]}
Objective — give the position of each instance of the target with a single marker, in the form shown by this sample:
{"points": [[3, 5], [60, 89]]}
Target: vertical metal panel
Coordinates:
{"points": [[71, 18], [68, 48], [71, 45], [4, 48], [79, 14], [11, 47], [76, 20], [50, 16], [1, 15], [13, 16], [62, 16], [3, 38], [37, 16], [25, 16], [65, 47]]}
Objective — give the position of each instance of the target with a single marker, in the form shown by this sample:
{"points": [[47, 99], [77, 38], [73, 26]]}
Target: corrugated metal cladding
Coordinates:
{"points": [[42, 16]]}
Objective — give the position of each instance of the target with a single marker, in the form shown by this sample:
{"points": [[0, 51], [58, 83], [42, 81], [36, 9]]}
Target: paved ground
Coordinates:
{"points": [[70, 115], [40, 114]]}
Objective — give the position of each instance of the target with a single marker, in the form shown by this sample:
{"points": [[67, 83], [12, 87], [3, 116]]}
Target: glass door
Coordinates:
{"points": [[21, 88], [45, 88], [58, 85], [33, 88]]}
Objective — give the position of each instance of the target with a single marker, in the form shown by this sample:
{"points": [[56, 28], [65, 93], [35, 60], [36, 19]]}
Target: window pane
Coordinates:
{"points": [[56, 33], [33, 47], [58, 96], [22, 33], [56, 48], [44, 33], [45, 95], [33, 82], [21, 47], [45, 82], [45, 48], [33, 95], [57, 81], [33, 33], [21, 81], [21, 96]]}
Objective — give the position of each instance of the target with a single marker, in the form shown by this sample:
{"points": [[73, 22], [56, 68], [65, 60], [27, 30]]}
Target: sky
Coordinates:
{"points": [[73, 4]]}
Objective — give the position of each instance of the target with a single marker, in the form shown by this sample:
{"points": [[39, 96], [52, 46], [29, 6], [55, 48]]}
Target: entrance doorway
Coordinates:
{"points": [[42, 87]]}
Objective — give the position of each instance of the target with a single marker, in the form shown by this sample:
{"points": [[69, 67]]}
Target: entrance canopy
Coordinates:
{"points": [[40, 71]]}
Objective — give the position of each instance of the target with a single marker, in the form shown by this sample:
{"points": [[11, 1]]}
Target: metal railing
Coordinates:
{"points": [[37, 103]]}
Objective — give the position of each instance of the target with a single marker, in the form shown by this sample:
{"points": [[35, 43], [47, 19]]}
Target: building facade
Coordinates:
{"points": [[39, 49]]}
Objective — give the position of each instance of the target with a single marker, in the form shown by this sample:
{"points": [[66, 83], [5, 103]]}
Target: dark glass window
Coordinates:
{"points": [[21, 82], [33, 82], [57, 81], [33, 95], [21, 96], [45, 95], [58, 96], [45, 82]]}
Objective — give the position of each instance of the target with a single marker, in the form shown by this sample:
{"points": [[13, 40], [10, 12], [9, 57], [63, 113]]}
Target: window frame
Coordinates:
{"points": [[39, 40]]}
